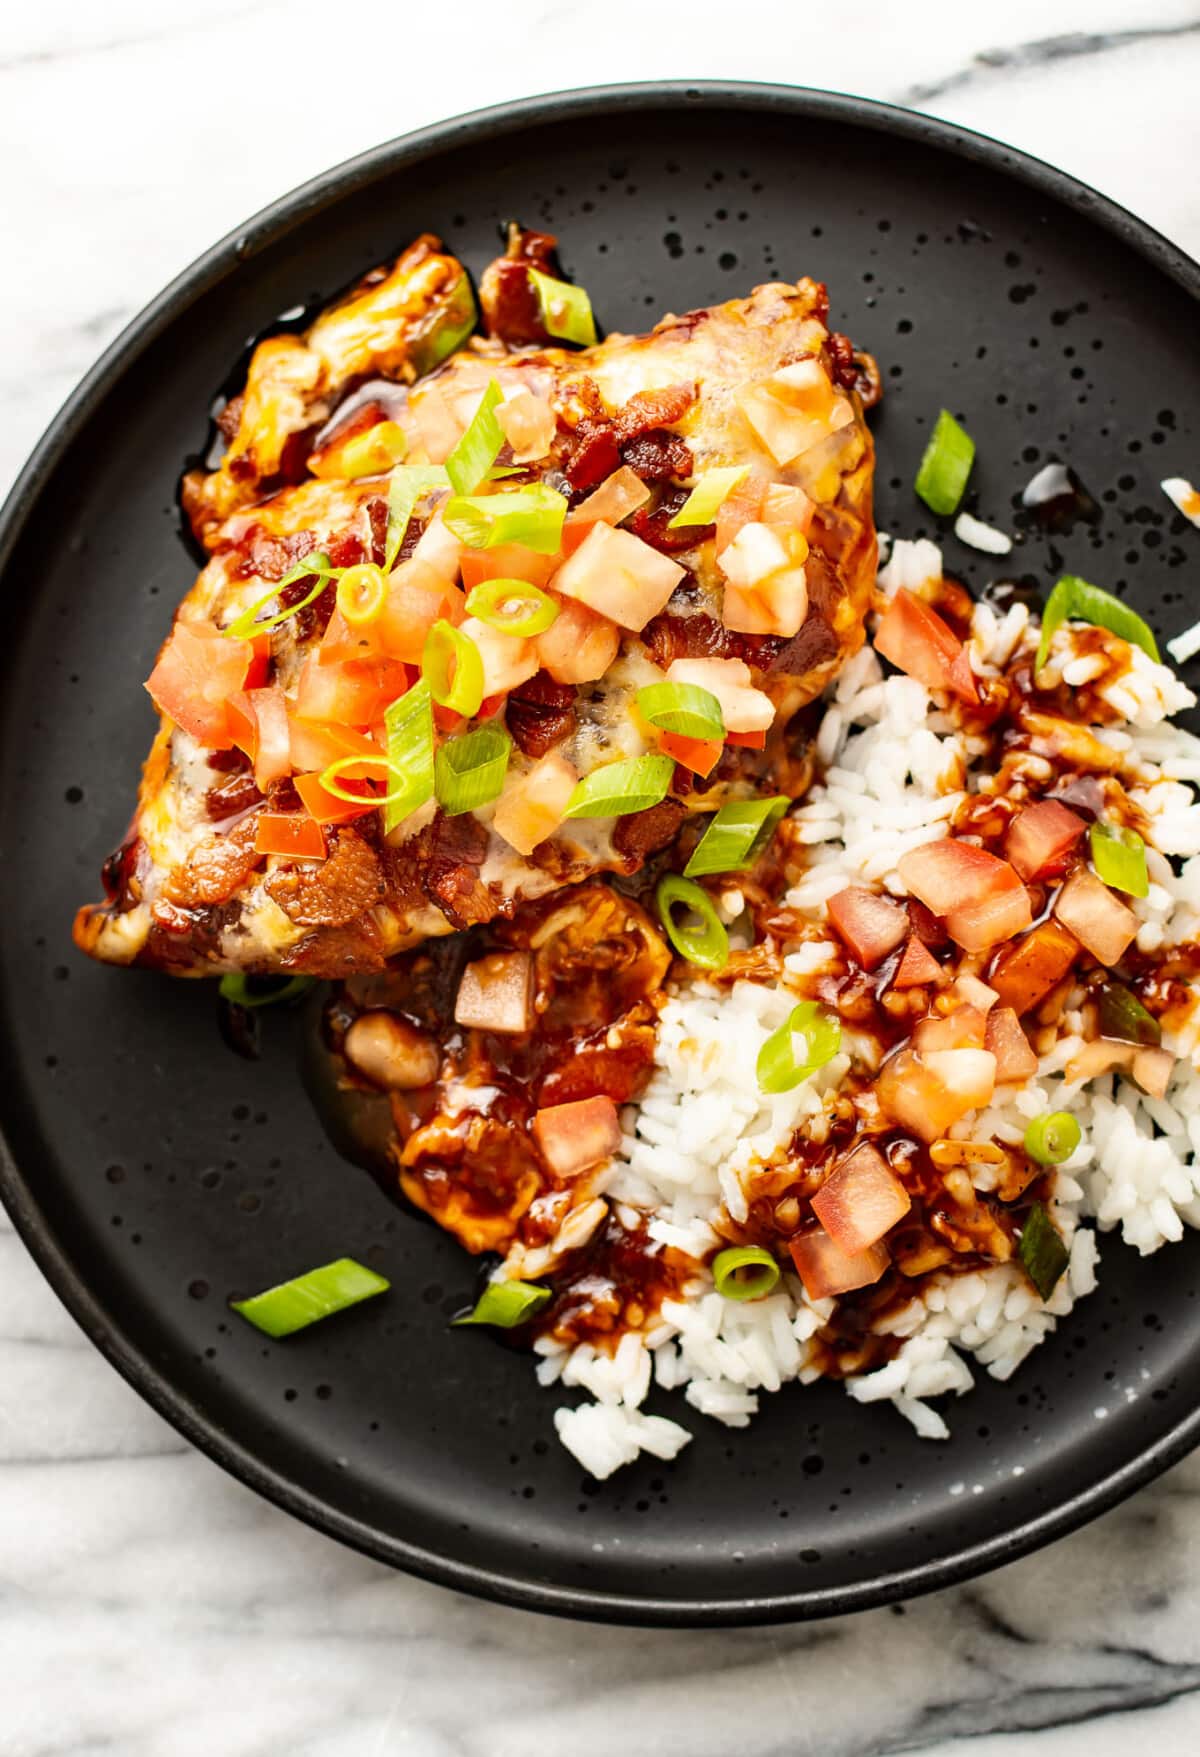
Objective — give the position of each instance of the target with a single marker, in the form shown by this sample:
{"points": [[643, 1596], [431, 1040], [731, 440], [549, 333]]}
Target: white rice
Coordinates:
{"points": [[977, 535], [897, 769]]}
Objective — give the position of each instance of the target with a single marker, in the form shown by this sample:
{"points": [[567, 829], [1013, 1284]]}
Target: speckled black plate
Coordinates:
{"points": [[152, 1172]]}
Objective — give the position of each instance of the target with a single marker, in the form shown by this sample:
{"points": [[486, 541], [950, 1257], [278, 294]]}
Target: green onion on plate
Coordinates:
{"points": [[566, 310], [1051, 1138], [616, 789], [744, 1272], [682, 707], [479, 446], [306, 1299], [711, 492], [946, 464], [707, 944], [532, 516], [1076, 600], [1042, 1251], [453, 668], [736, 836], [808, 1038], [469, 771], [506, 1304], [1119, 857], [513, 606], [262, 991], [407, 485]]}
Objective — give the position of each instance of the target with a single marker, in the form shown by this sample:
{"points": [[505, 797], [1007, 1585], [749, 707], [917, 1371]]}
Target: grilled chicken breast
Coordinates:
{"points": [[283, 663]]}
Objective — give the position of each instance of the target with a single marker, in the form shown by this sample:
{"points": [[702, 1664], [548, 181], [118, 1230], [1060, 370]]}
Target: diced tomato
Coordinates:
{"points": [[827, 1270], [979, 896], [616, 574], [927, 1094], [1152, 1069], [1029, 970], [508, 659], [529, 424], [317, 743], [340, 641], [1040, 838], [919, 643], [327, 808], [259, 668], [747, 740], [507, 561], [745, 709], [1014, 1055], [700, 755], [917, 966], [579, 646], [870, 925], [741, 506], [926, 925], [1097, 918], [197, 671], [438, 548], [575, 1137], [969, 991], [289, 833], [619, 495], [242, 729], [531, 806], [964, 1028], [350, 691], [860, 1200], [418, 596], [271, 755], [494, 994], [785, 504]]}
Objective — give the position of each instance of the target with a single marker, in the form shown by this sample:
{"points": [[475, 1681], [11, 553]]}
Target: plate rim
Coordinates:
{"points": [[33, 1224]]}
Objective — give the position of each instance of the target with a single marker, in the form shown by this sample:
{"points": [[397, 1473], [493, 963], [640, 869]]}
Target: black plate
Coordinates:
{"points": [[151, 1172]]}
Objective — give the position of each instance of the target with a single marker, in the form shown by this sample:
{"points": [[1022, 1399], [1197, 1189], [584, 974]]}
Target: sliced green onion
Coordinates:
{"points": [[507, 1304], [532, 516], [513, 606], [1119, 857], [446, 330], [247, 626], [708, 496], [371, 453], [707, 945], [408, 483], [293, 1305], [479, 446], [945, 466], [617, 789], [349, 768], [808, 1038], [1123, 1017], [409, 722], [1075, 600], [452, 666], [262, 991], [1043, 1252], [566, 310], [736, 836], [729, 1269], [469, 771], [682, 707], [1052, 1138]]}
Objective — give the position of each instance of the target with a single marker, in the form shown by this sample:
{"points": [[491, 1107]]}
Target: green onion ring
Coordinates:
{"points": [[1052, 1138], [452, 666], [513, 606], [706, 946], [780, 1065], [296, 1304], [728, 1272]]}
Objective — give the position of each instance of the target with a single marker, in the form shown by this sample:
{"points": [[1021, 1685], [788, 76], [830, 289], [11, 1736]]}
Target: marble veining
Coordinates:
{"points": [[149, 1605]]}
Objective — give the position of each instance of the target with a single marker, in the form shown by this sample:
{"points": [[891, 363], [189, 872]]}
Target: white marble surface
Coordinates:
{"points": [[151, 1607]]}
